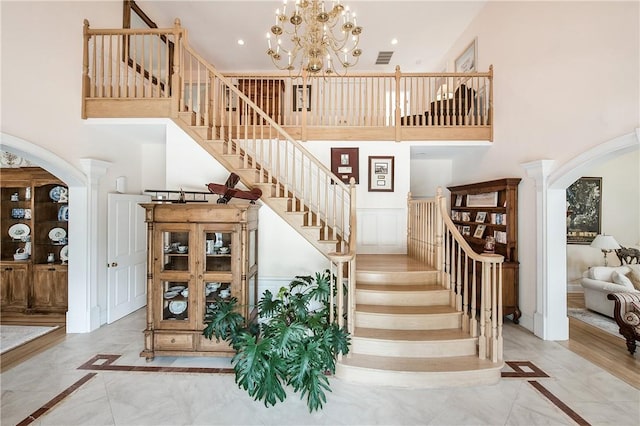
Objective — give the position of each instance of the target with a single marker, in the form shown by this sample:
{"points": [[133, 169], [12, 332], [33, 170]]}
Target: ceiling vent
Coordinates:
{"points": [[384, 58]]}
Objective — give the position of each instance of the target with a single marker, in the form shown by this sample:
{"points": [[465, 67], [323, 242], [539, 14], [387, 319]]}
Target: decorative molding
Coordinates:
{"points": [[11, 160]]}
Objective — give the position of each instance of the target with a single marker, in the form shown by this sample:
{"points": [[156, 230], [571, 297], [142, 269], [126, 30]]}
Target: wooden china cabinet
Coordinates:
{"points": [[197, 253], [34, 215]]}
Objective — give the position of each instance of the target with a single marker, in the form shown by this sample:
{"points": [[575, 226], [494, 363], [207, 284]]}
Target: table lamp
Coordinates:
{"points": [[606, 243]]}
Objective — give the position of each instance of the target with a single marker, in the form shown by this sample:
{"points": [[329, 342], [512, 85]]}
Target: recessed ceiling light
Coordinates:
{"points": [[394, 41], [241, 42]]}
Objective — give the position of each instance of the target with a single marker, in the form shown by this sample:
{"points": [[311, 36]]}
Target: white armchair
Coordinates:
{"points": [[599, 281]]}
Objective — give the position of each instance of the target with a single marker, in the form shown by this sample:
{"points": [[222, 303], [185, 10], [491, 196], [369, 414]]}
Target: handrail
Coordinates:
{"points": [[433, 237], [364, 105]]}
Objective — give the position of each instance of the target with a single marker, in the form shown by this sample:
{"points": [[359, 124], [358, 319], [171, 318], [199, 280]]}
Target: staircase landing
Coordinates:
{"points": [[389, 263]]}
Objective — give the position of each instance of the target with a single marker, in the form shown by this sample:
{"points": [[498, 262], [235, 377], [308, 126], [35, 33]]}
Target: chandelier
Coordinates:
{"points": [[318, 37]]}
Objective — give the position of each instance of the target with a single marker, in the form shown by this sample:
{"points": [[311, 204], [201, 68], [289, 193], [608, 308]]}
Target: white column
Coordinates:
{"points": [[550, 320], [94, 169]]}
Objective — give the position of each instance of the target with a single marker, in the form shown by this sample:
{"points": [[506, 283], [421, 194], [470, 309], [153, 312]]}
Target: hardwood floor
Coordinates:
{"points": [[23, 352], [601, 348]]}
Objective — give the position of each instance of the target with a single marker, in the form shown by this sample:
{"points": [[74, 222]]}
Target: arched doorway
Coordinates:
{"points": [[79, 314], [550, 319]]}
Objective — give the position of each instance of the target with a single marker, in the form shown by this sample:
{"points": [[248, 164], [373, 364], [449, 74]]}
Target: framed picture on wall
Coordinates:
{"points": [[299, 93], [584, 210], [344, 163], [466, 62], [380, 174]]}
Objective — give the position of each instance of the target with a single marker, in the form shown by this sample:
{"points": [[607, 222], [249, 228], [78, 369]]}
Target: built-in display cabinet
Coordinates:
{"points": [[197, 253], [34, 246], [490, 209]]}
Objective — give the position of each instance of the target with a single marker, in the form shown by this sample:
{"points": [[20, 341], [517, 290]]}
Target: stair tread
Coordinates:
{"points": [[448, 364], [400, 287], [411, 335], [389, 263], [406, 310]]}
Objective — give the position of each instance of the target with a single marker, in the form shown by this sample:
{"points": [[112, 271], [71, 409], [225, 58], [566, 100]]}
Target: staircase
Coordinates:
{"points": [[407, 334], [420, 320]]}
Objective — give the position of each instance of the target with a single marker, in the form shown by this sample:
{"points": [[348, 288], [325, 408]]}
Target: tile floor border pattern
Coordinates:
{"points": [[56, 400], [105, 362]]}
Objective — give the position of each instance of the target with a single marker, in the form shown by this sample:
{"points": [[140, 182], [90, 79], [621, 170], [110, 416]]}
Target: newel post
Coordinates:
{"points": [[439, 232], [410, 219], [176, 85], [85, 67], [398, 75], [353, 227]]}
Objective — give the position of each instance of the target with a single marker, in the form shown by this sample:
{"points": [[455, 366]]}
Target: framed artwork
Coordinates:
{"points": [[481, 217], [344, 164], [299, 97], [487, 199], [479, 232], [466, 62], [584, 210], [230, 99], [381, 174]]}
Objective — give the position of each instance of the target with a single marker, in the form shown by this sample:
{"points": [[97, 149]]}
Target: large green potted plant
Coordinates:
{"points": [[294, 343]]}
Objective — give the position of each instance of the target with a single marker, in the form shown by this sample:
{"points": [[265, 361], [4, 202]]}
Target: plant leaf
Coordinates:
{"points": [[268, 306], [222, 320]]}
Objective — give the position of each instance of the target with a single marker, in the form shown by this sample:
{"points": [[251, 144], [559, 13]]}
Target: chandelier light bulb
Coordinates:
{"points": [[315, 35]]}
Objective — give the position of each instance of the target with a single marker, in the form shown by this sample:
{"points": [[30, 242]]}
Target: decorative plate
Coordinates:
{"points": [[55, 192], [63, 213], [56, 234], [177, 288], [177, 306], [170, 294], [64, 253], [19, 230]]}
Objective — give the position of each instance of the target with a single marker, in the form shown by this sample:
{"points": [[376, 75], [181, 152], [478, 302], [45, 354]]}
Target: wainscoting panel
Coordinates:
{"points": [[382, 231]]}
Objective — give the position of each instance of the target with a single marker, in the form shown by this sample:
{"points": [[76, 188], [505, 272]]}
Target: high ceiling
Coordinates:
{"points": [[425, 30]]}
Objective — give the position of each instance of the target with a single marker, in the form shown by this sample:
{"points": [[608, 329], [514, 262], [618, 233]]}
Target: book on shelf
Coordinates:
{"points": [[499, 218], [500, 236]]}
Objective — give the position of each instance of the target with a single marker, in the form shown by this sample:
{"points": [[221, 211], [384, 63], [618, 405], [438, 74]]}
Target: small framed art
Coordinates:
{"points": [[344, 163], [381, 174], [479, 232], [299, 97]]}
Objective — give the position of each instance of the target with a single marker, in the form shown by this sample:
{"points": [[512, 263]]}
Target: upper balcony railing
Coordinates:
{"points": [[134, 65]]}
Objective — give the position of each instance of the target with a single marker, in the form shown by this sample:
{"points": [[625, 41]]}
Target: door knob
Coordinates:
{"points": [[114, 264]]}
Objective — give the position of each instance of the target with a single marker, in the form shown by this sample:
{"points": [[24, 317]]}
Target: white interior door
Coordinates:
{"points": [[126, 255]]}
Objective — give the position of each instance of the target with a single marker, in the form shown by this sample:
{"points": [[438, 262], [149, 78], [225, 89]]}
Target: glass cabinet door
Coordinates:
{"points": [[218, 251], [175, 300], [175, 245], [216, 290]]}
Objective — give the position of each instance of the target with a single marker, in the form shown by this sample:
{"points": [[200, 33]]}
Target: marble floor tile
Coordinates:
{"points": [[192, 398]]}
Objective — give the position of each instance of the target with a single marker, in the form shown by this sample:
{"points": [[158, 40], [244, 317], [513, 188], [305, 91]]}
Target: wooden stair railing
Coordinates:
{"points": [[231, 127], [475, 279], [134, 65]]}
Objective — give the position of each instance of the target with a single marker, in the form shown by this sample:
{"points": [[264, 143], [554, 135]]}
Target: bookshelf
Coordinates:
{"points": [[490, 208]]}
